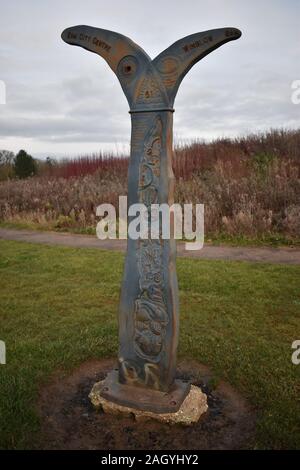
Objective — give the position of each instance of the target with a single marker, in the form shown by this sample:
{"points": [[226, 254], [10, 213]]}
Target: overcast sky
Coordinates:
{"points": [[63, 100]]}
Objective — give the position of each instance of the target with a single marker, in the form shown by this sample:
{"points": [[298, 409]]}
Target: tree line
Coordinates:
{"points": [[22, 165]]}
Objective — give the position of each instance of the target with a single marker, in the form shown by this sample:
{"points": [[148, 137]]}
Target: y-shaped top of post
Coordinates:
{"points": [[149, 84]]}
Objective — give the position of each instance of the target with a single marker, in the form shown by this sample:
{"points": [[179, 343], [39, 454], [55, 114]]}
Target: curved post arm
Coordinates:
{"points": [[127, 60], [175, 61]]}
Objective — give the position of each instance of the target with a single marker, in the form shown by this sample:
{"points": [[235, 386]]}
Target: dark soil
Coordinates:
{"points": [[69, 421]]}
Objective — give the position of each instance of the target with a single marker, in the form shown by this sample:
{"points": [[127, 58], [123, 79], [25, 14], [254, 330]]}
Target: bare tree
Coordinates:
{"points": [[6, 157]]}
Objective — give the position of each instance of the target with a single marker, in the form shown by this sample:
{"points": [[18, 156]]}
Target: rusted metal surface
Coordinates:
{"points": [[149, 311]]}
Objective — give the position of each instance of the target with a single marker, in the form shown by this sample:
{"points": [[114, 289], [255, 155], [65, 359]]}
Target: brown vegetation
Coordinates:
{"points": [[250, 187]]}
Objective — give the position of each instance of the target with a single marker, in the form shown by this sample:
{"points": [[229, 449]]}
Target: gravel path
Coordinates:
{"points": [[259, 254]]}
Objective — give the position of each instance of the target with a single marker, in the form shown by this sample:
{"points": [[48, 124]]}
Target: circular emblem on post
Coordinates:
{"points": [[127, 67], [169, 68], [168, 65]]}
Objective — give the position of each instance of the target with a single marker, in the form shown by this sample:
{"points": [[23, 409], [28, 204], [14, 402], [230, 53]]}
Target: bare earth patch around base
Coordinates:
{"points": [[69, 421]]}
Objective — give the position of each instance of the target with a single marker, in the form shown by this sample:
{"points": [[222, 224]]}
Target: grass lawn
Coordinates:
{"points": [[58, 308]]}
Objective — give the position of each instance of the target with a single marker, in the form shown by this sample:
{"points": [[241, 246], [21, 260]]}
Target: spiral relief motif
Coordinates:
{"points": [[151, 316]]}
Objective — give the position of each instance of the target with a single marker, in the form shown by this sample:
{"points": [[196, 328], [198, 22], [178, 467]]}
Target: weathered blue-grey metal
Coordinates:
{"points": [[148, 315]]}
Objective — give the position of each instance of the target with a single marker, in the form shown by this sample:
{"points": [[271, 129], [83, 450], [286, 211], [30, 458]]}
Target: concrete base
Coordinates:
{"points": [[194, 405]]}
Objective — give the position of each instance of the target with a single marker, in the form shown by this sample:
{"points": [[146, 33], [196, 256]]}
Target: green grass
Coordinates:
{"points": [[58, 308], [272, 240], [47, 227]]}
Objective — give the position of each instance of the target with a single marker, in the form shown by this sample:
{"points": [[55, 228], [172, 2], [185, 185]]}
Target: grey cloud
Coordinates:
{"points": [[58, 94]]}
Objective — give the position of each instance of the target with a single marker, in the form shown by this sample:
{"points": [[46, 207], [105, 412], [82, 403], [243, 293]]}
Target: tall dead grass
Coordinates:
{"points": [[250, 187]]}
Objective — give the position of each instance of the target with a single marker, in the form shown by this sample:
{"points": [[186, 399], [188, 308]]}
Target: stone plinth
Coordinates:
{"points": [[190, 411]]}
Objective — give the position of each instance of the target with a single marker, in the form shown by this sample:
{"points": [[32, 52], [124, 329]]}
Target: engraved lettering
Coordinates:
{"points": [[230, 32], [101, 44], [199, 43], [84, 37], [72, 35]]}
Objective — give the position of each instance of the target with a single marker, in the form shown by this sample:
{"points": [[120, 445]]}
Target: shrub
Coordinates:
{"points": [[6, 164], [24, 165]]}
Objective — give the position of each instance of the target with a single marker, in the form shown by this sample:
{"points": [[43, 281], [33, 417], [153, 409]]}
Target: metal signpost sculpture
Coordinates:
{"points": [[148, 316]]}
